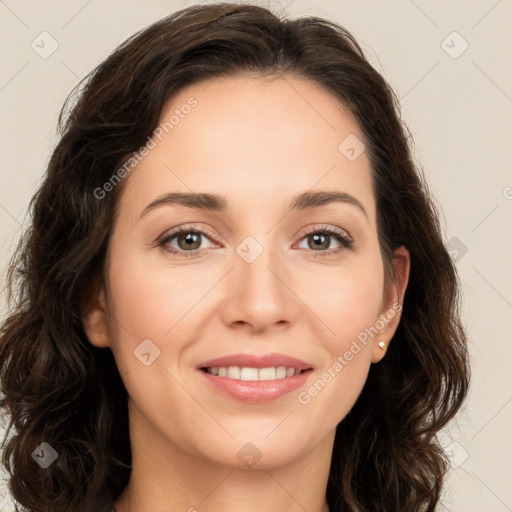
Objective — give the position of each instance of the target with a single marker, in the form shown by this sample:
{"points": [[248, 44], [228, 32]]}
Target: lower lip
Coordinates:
{"points": [[256, 391]]}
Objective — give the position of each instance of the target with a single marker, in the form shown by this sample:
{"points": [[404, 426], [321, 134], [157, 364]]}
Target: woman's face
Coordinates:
{"points": [[273, 273]]}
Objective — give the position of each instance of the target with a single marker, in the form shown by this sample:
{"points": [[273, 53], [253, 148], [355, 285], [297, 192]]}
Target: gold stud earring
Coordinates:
{"points": [[382, 345]]}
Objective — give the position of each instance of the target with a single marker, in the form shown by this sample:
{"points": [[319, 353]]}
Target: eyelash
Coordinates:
{"points": [[340, 236]]}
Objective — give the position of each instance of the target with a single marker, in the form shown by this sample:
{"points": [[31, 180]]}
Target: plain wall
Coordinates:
{"points": [[458, 107]]}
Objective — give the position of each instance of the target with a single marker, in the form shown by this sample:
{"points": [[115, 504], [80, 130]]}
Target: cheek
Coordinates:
{"points": [[153, 310], [149, 298], [350, 311], [349, 306], [348, 302]]}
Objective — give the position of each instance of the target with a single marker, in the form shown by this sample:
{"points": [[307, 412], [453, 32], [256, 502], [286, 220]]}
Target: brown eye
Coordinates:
{"points": [[319, 240], [190, 240], [184, 241]]}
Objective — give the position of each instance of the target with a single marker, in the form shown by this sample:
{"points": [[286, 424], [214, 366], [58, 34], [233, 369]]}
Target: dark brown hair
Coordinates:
{"points": [[60, 389]]}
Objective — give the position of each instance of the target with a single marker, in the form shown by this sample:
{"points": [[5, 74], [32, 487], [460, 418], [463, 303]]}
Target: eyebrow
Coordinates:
{"points": [[212, 202]]}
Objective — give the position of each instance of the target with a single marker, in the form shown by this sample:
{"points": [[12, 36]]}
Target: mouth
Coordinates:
{"points": [[255, 378], [247, 373]]}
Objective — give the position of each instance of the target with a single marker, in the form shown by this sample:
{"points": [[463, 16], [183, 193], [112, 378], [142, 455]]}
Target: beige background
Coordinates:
{"points": [[458, 109]]}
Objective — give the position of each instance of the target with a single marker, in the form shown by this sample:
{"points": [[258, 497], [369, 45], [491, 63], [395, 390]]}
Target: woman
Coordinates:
{"points": [[234, 293]]}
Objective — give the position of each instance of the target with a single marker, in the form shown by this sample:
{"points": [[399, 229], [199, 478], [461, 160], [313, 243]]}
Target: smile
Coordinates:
{"points": [[253, 374]]}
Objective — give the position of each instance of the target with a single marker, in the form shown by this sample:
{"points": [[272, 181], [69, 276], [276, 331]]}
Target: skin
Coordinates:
{"points": [[257, 142]]}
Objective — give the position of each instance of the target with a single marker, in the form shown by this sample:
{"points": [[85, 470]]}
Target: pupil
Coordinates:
{"points": [[191, 238], [318, 240]]}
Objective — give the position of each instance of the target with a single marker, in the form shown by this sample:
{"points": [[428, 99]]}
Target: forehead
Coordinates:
{"points": [[250, 138]]}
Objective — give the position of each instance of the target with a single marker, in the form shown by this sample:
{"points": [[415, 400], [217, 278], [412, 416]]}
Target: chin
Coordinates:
{"points": [[258, 452]]}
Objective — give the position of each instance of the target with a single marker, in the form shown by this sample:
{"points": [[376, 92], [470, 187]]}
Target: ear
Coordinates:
{"points": [[392, 304], [94, 316]]}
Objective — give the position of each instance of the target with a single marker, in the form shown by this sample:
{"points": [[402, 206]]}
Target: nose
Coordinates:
{"points": [[259, 294]]}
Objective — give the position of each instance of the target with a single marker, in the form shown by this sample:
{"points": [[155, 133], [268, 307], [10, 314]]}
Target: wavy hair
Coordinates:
{"points": [[58, 388]]}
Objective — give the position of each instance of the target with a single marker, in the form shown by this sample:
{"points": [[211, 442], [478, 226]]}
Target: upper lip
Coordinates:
{"points": [[257, 361]]}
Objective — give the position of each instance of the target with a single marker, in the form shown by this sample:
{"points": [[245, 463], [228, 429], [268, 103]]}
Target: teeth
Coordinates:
{"points": [[252, 374], [281, 372], [267, 374], [234, 372], [249, 374]]}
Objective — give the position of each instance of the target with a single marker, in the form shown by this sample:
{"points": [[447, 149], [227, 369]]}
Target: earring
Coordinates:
{"points": [[382, 345]]}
